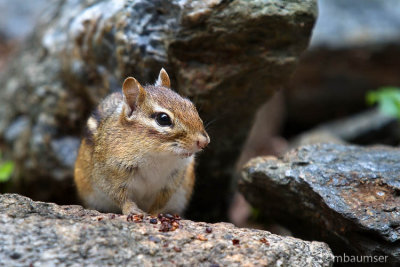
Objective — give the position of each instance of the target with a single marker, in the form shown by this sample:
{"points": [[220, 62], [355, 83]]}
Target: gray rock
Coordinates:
{"points": [[347, 196], [18, 127], [343, 23], [228, 56], [18, 17], [45, 234], [66, 149], [356, 128]]}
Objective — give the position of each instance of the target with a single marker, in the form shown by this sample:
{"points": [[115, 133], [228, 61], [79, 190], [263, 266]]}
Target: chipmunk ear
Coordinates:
{"points": [[134, 93], [163, 79]]}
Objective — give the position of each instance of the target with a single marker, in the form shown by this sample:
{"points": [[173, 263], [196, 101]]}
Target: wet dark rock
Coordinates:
{"points": [[347, 196], [37, 234], [225, 55]]}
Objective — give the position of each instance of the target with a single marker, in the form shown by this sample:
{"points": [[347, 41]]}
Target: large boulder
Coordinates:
{"points": [[37, 234], [347, 196], [228, 56]]}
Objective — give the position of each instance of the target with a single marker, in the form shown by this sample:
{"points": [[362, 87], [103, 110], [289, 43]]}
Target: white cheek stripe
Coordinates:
{"points": [[158, 109], [151, 123], [92, 124]]}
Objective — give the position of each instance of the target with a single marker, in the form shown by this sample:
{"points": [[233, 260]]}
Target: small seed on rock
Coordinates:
{"points": [[265, 241], [201, 237], [208, 230], [129, 217], [153, 220], [169, 216], [177, 249], [137, 218], [235, 242], [165, 227]]}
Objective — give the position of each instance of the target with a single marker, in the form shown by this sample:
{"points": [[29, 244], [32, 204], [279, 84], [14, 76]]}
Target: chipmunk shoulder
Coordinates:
{"points": [[139, 150]]}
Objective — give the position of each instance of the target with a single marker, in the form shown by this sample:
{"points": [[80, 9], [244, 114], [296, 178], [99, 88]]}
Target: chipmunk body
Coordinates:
{"points": [[139, 150]]}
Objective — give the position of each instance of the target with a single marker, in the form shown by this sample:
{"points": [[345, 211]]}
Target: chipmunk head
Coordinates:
{"points": [[169, 122]]}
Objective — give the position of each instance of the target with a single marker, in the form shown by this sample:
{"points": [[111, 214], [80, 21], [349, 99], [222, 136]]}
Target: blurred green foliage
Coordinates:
{"points": [[6, 170], [388, 100], [255, 213]]}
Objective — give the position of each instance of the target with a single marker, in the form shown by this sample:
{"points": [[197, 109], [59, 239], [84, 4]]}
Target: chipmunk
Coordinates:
{"points": [[139, 150]]}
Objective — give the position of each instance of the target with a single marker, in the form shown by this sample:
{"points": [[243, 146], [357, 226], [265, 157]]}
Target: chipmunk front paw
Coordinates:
{"points": [[130, 208]]}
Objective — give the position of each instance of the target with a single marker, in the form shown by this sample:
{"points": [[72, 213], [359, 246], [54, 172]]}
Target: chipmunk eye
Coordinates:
{"points": [[163, 119]]}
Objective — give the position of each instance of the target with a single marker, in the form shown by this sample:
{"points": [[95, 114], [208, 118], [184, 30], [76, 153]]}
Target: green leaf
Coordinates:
{"points": [[372, 97], [388, 105], [255, 213], [6, 169], [388, 99]]}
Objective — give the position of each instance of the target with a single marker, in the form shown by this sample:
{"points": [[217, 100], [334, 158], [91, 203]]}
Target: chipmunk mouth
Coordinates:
{"points": [[184, 153]]}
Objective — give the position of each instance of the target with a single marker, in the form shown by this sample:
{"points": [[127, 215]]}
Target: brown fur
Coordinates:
{"points": [[83, 166], [188, 182], [122, 134]]}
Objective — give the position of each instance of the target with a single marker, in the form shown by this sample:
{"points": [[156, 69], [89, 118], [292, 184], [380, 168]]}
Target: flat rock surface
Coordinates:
{"points": [[38, 234], [345, 195]]}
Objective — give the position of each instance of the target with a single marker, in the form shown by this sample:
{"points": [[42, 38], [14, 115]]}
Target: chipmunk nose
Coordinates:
{"points": [[203, 140]]}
